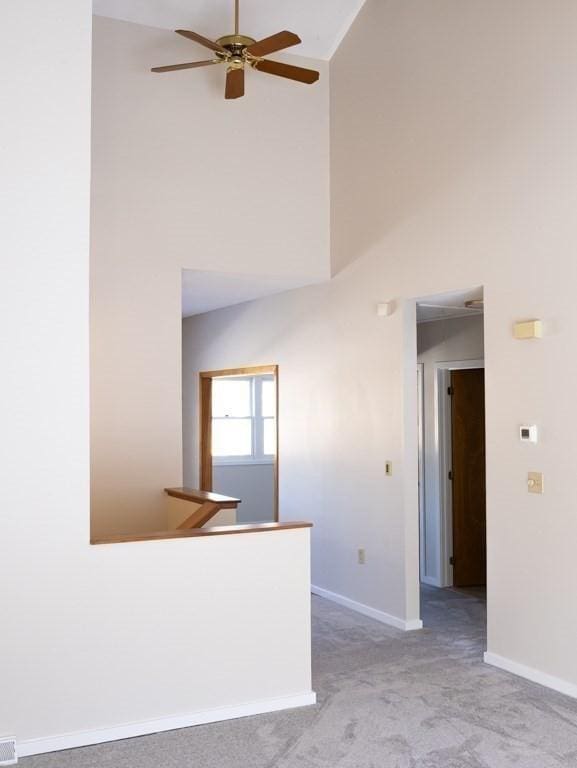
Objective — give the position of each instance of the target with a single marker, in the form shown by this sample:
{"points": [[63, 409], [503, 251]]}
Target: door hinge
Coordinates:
{"points": [[451, 561], [451, 391], [450, 474]]}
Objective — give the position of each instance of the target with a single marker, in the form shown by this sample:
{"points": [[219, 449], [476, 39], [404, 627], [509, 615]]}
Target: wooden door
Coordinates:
{"points": [[468, 477]]}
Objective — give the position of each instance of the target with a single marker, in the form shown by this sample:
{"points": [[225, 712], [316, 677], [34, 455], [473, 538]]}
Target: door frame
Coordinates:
{"points": [[205, 422], [443, 459], [421, 470]]}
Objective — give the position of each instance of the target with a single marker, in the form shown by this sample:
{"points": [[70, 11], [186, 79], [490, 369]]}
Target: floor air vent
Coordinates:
{"points": [[8, 752]]}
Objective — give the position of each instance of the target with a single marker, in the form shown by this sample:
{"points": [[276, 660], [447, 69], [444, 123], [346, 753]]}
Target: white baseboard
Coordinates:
{"points": [[366, 610], [549, 681], [132, 730]]}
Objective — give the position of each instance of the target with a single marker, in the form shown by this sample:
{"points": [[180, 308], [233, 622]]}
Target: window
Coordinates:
{"points": [[244, 420]]}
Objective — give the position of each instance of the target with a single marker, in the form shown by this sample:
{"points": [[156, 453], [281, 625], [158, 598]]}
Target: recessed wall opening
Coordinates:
{"points": [[451, 454], [229, 405], [239, 439]]}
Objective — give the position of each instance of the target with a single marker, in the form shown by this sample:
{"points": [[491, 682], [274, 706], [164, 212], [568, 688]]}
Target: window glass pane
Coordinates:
{"points": [[231, 397], [269, 397], [269, 437], [232, 437]]}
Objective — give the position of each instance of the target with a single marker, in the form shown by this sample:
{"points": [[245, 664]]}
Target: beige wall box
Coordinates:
{"points": [[385, 309], [530, 329]]}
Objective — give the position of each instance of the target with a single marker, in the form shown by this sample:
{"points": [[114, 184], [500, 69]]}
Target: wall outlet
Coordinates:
{"points": [[362, 556], [389, 468], [8, 754]]}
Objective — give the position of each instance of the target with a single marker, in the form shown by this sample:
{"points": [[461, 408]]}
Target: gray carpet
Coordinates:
{"points": [[386, 700]]}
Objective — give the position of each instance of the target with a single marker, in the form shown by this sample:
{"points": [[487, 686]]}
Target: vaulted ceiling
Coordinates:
{"points": [[322, 24], [203, 291]]}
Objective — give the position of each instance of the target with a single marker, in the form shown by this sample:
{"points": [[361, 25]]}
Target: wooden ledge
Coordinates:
{"points": [[201, 533], [202, 497]]}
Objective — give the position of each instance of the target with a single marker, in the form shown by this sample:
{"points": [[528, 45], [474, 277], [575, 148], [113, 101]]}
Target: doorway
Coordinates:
{"points": [[239, 439], [451, 440], [451, 459]]}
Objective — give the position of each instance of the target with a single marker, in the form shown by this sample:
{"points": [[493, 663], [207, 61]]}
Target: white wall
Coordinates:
{"points": [[253, 484], [454, 159], [437, 342], [44, 214], [183, 179], [337, 427], [98, 637], [466, 176]]}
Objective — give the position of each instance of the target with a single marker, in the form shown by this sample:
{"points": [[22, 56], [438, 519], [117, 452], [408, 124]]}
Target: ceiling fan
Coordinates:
{"points": [[238, 52]]}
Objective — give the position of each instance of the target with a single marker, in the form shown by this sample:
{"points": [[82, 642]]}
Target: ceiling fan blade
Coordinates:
{"points": [[202, 40], [234, 84], [300, 74], [192, 65], [274, 43]]}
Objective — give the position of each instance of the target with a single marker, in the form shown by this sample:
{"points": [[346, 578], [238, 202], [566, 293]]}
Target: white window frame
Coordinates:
{"points": [[257, 429]]}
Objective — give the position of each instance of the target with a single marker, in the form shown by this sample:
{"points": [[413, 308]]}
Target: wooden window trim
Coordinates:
{"points": [[205, 421]]}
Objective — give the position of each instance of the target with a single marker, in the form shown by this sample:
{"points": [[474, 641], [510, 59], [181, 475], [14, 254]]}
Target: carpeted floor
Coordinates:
{"points": [[386, 700]]}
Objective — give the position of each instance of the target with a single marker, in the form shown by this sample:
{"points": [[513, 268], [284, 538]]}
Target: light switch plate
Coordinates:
{"points": [[389, 468], [536, 482]]}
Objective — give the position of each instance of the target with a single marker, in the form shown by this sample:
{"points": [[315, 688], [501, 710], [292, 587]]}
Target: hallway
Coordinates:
{"points": [[386, 700]]}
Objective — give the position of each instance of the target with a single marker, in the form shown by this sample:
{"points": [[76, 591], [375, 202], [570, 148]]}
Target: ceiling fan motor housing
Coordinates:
{"points": [[236, 44]]}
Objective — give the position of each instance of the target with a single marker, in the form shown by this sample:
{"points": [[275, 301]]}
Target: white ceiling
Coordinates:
{"points": [[447, 306], [321, 24], [204, 291]]}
